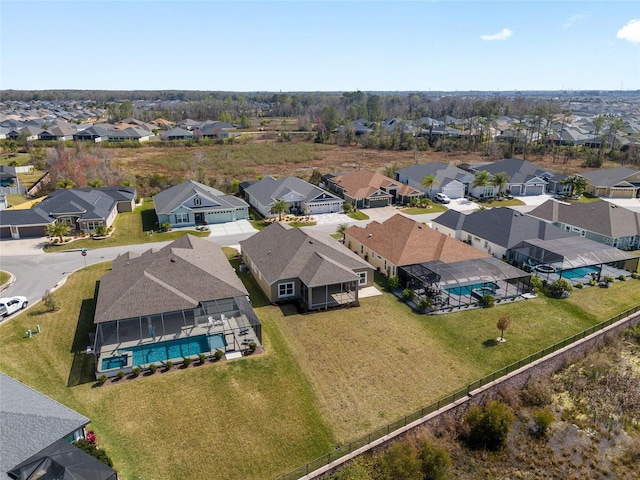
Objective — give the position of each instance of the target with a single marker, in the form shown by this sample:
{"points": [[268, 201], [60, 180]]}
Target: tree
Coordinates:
{"points": [[342, 229], [347, 207], [577, 184], [58, 229], [488, 428], [401, 462], [481, 179], [436, 461], [500, 180], [503, 324], [316, 177], [561, 288], [279, 207], [50, 302], [428, 182]]}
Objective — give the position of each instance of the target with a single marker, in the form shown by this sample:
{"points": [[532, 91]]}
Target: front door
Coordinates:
{"points": [[199, 218]]}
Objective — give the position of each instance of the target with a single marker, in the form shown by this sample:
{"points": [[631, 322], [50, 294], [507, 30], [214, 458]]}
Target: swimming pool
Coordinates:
{"points": [[114, 362], [481, 288], [580, 272], [170, 349]]}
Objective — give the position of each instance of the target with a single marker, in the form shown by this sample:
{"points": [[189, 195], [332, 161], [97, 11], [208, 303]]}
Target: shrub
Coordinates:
{"points": [[609, 279], [94, 451], [424, 303], [166, 226], [542, 420], [488, 428], [579, 285], [203, 358], [90, 436], [408, 294], [622, 277], [436, 461], [101, 231], [168, 364], [135, 371], [635, 275], [593, 283], [561, 288], [50, 302], [537, 392], [487, 300], [218, 354], [152, 368], [253, 346], [120, 375], [186, 361], [102, 379], [401, 461], [393, 283], [535, 283]]}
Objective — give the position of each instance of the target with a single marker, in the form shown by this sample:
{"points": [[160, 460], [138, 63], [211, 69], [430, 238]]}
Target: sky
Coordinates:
{"points": [[305, 46]]}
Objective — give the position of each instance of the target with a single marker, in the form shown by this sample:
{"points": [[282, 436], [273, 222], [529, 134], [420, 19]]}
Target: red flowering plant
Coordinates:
{"points": [[90, 436]]}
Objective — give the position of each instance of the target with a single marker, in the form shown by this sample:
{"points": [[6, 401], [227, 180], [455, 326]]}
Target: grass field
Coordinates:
{"points": [[433, 208], [130, 228], [4, 277], [359, 215], [325, 378]]}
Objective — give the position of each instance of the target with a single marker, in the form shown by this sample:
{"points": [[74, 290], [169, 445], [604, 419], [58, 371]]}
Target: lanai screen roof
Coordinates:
{"points": [[466, 272], [565, 253]]}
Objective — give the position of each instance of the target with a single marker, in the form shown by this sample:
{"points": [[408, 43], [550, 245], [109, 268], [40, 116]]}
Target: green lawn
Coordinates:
{"points": [[434, 208], [130, 228], [325, 378], [503, 202], [359, 215], [4, 277], [20, 158]]}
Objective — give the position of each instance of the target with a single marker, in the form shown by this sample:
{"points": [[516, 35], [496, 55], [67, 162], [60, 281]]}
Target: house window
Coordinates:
{"points": [[286, 290], [197, 201], [182, 217], [363, 278], [361, 248], [91, 226]]}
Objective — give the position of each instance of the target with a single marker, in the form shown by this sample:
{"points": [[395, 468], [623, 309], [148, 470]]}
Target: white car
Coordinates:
{"points": [[12, 304], [442, 198]]}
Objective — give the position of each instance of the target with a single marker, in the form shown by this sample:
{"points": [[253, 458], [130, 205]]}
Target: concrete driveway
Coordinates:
{"points": [[231, 228], [22, 246]]}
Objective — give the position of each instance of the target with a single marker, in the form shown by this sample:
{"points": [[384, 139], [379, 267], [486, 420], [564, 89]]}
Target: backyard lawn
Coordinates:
{"points": [[325, 378], [130, 228]]}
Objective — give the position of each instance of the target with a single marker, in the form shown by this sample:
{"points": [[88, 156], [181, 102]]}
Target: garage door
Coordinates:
{"points": [[535, 190], [454, 192], [5, 232]]}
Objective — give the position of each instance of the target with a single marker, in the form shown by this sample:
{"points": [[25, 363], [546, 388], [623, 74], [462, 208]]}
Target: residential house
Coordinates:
{"points": [[191, 203], [130, 134], [369, 189], [449, 179], [211, 129], [179, 301], [357, 127], [84, 209], [301, 197], [60, 131], [309, 267], [178, 133], [95, 133], [495, 230], [619, 182], [601, 221], [400, 241], [34, 427], [526, 178]]}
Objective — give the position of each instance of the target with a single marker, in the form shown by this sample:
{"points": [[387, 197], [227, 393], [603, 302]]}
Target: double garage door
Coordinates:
{"points": [[325, 207]]}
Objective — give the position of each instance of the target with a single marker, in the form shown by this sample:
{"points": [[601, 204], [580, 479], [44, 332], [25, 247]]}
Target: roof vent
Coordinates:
{"points": [[173, 259], [371, 234]]}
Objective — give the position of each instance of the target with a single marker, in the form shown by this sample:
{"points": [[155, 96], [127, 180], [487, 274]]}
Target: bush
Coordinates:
{"points": [[401, 462], [94, 451], [393, 283], [436, 461], [622, 277], [166, 226], [203, 358], [102, 379], [535, 283], [561, 288], [579, 285], [635, 275], [488, 428], [537, 392], [152, 368], [120, 375], [135, 371], [101, 231], [487, 300], [50, 302], [253, 346], [186, 361], [593, 283], [424, 303], [218, 354], [168, 364], [408, 294], [609, 279], [542, 420]]}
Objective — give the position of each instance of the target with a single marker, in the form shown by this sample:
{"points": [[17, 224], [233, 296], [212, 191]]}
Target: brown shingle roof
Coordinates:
{"points": [[403, 241], [363, 183], [178, 276]]}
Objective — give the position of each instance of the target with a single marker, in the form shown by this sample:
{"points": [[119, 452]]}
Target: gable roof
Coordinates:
{"points": [[30, 422], [179, 276], [609, 177], [285, 252], [503, 226], [404, 241], [520, 171], [364, 183], [269, 189], [170, 199], [444, 173], [600, 217]]}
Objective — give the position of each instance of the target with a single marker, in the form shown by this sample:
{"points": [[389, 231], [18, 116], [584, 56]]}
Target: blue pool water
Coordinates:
{"points": [[114, 362], [579, 272], [182, 347], [481, 288]]}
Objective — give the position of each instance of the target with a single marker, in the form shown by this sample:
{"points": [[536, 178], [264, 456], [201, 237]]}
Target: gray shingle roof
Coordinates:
{"points": [[170, 199], [503, 226], [30, 422], [179, 276], [608, 177], [520, 171], [600, 217], [444, 173], [269, 189], [284, 252]]}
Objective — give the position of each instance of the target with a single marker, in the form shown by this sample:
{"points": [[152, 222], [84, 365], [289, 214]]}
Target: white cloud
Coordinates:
{"points": [[630, 32], [501, 35], [572, 20]]}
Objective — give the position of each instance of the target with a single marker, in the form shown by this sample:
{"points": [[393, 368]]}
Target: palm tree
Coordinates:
{"points": [[429, 181], [279, 207], [482, 179], [577, 183], [500, 180], [58, 229], [65, 183], [342, 229]]}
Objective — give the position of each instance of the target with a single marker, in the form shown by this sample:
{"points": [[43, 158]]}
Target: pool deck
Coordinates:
{"points": [[230, 328]]}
